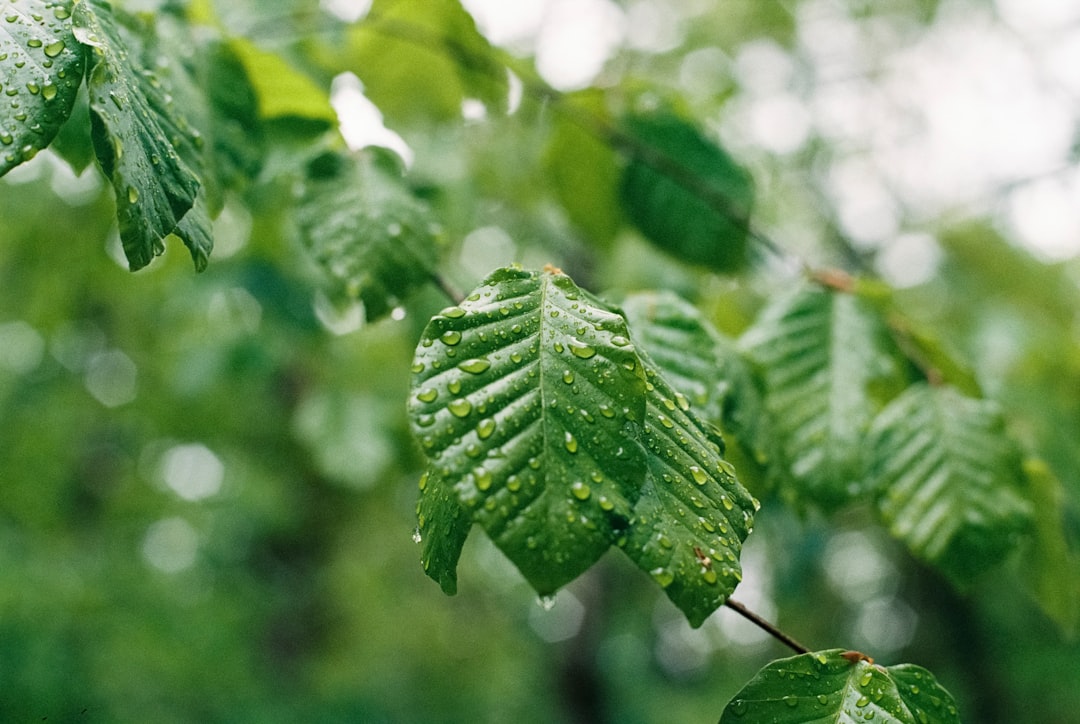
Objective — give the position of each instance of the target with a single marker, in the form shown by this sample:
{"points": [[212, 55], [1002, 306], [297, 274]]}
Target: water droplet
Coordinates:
{"points": [[484, 428], [454, 386], [791, 701], [546, 602], [568, 377], [619, 341], [682, 402], [605, 503], [822, 699], [48, 92], [570, 442], [699, 475], [607, 412], [862, 701], [665, 421], [423, 481], [558, 347], [669, 404], [582, 351], [428, 394], [482, 478], [662, 576], [450, 337], [34, 43], [513, 483], [453, 312], [867, 676], [425, 420], [580, 490], [133, 195], [515, 357], [33, 88], [460, 407], [709, 575], [664, 541], [473, 450], [416, 537], [54, 49]]}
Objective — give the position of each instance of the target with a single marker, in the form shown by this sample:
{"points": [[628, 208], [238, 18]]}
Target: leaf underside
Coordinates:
{"points": [[41, 68], [948, 479], [838, 687], [547, 426], [819, 351]]}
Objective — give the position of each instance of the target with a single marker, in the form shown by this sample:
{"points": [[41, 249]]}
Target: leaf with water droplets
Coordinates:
{"points": [[41, 68], [703, 365], [371, 238], [138, 135], [821, 354], [841, 687], [948, 480], [693, 514], [541, 447]]}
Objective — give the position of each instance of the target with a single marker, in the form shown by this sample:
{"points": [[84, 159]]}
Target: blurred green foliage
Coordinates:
{"points": [[207, 482]]}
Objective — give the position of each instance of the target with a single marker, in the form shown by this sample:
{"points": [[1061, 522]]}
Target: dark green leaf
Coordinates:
{"points": [[819, 351], [948, 479], [371, 237], [693, 515], [528, 399], [41, 68], [686, 194], [838, 687], [137, 132]]}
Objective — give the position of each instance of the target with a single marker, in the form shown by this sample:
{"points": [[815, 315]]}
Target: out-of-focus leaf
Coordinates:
{"points": [[584, 173], [136, 130], [686, 194], [41, 68], [528, 399], [840, 687], [1051, 567], [948, 479], [819, 351], [693, 515], [432, 48], [369, 235], [281, 90]]}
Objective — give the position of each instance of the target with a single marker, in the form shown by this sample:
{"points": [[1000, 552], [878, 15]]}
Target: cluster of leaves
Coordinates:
{"points": [[559, 422]]}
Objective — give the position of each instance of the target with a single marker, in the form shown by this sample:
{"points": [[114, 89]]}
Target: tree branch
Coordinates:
{"points": [[766, 626]]}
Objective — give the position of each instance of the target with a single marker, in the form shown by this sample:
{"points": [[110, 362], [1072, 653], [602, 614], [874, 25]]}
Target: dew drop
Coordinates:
{"points": [[48, 92], [791, 701], [133, 195], [428, 394], [698, 474], [450, 337], [865, 679], [580, 490], [582, 351], [726, 502], [862, 701], [665, 421], [822, 699], [475, 366], [484, 428], [460, 407], [607, 412], [34, 43], [454, 386], [416, 537], [558, 347], [620, 341], [709, 575], [662, 576], [425, 420], [423, 481], [54, 49], [513, 483], [568, 377], [605, 503], [571, 443], [483, 479]]}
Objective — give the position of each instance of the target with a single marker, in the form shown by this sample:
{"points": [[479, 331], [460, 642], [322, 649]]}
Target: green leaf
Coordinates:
{"points": [[704, 365], [1051, 567], [948, 479], [693, 515], [372, 239], [584, 172], [840, 687], [686, 194], [528, 398], [137, 132], [281, 90], [41, 68], [819, 351], [443, 524], [432, 48]]}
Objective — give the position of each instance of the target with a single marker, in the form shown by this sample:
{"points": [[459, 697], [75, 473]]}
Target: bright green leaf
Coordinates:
{"points": [[137, 131], [528, 399], [281, 90], [41, 68], [819, 351], [370, 236], [693, 515], [432, 48], [838, 687], [948, 479], [686, 194]]}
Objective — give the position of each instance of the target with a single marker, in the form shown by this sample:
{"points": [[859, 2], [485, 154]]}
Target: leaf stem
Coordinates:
{"points": [[447, 288], [766, 626]]}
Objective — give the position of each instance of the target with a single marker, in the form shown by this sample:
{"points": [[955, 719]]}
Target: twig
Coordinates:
{"points": [[766, 626]]}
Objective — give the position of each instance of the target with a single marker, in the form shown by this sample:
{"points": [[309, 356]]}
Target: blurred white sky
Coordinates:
{"points": [[976, 114]]}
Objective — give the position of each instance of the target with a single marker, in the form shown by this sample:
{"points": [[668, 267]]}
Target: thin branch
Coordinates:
{"points": [[766, 626]]}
